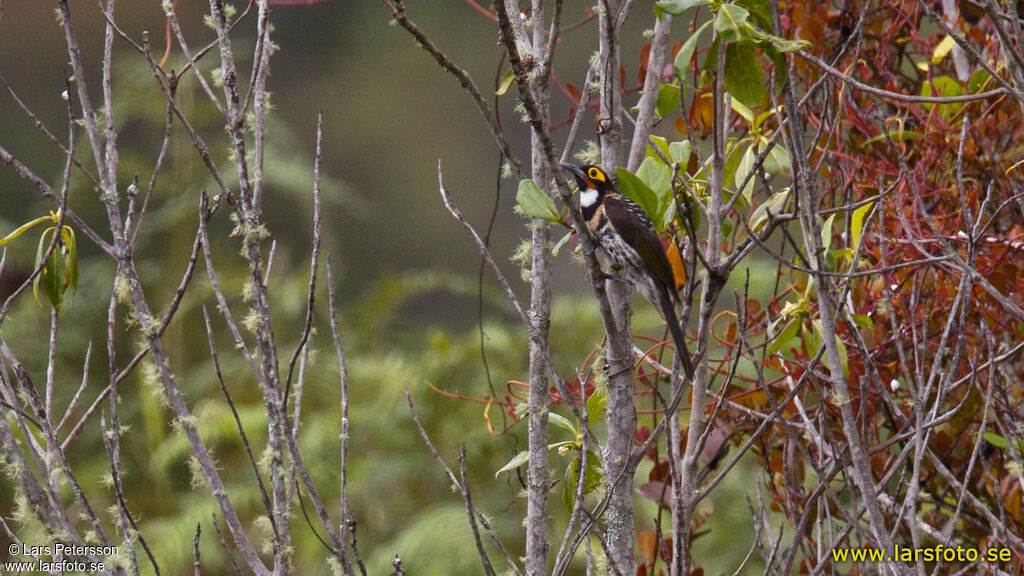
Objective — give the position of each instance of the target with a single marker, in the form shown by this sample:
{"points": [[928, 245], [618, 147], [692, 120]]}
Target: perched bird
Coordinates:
{"points": [[628, 239]]}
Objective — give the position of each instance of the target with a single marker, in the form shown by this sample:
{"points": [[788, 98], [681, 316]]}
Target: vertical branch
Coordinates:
{"points": [[112, 436], [619, 353], [51, 365], [343, 373], [806, 186], [88, 112], [110, 136], [539, 400], [277, 436], [259, 92], [610, 121], [688, 473], [649, 96], [195, 551], [537, 481]]}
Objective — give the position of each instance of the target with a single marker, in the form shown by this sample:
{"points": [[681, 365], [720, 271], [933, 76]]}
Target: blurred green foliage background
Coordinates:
{"points": [[407, 274]]}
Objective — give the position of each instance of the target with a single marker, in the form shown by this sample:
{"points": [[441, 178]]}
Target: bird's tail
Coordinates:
{"points": [[682, 351]]}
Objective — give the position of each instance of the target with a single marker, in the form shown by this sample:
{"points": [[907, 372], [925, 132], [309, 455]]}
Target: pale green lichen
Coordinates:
{"points": [[597, 369], [252, 321], [522, 256], [247, 290], [266, 458], [197, 477], [151, 380], [122, 290], [265, 528], [183, 423], [590, 154], [217, 75]]}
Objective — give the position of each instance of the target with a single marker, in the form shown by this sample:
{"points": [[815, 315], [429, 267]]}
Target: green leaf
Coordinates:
{"points": [[730, 20], [668, 100], [826, 232], [894, 134], [727, 225], [54, 274], [533, 202], [777, 161], [742, 110], [685, 55], [561, 242], [516, 461], [679, 152], [774, 204], [944, 86], [812, 338], [670, 215], [732, 163], [766, 115], [662, 144], [594, 476], [785, 337], [744, 78], [978, 80], [745, 169], [658, 177], [68, 235], [677, 7], [841, 254], [562, 422], [786, 45], [595, 406], [781, 72], [857, 223], [568, 486], [24, 227], [996, 440], [710, 62], [506, 82], [636, 190], [760, 10], [772, 42], [863, 321], [816, 341]]}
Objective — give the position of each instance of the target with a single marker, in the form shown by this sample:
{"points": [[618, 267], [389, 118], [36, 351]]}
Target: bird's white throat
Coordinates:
{"points": [[588, 198]]}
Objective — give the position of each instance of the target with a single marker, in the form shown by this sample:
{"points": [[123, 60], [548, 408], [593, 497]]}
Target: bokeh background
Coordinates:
{"points": [[412, 309]]}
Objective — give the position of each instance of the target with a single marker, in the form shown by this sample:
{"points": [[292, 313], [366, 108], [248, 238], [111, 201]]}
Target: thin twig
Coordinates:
{"points": [[339, 352], [481, 246]]}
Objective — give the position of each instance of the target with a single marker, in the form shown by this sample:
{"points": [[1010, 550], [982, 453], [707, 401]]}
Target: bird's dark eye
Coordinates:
{"points": [[595, 174]]}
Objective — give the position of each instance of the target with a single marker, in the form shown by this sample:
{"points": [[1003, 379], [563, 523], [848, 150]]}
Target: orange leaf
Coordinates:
{"points": [[647, 544], [576, 95], [676, 261], [676, 47], [702, 112]]}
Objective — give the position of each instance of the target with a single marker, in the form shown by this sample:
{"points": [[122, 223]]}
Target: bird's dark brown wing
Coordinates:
{"points": [[636, 228]]}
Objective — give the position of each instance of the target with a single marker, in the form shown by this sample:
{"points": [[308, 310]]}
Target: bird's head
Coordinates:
{"points": [[592, 181]]}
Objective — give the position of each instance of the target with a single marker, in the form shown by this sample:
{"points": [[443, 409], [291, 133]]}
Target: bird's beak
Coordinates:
{"points": [[577, 172]]}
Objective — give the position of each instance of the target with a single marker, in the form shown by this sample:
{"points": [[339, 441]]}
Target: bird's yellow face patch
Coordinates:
{"points": [[594, 174]]}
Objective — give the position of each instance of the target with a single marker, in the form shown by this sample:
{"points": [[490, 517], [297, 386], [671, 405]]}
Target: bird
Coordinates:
{"points": [[630, 243]]}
